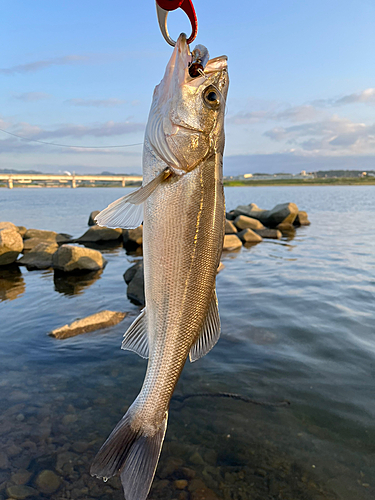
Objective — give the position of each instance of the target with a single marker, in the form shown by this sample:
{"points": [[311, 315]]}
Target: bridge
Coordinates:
{"points": [[72, 180]]}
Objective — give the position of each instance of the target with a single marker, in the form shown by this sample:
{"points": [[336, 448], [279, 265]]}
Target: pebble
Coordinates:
{"points": [[181, 484], [19, 492], [47, 482], [196, 459], [4, 462], [69, 419], [21, 477]]}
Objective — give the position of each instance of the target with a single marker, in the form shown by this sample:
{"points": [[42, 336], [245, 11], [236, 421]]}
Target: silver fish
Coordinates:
{"points": [[181, 203]]}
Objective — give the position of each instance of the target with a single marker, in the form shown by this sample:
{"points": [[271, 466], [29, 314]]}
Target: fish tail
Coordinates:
{"points": [[133, 454]]}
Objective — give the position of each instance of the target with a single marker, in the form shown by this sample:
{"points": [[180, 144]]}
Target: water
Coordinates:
{"points": [[298, 325]]}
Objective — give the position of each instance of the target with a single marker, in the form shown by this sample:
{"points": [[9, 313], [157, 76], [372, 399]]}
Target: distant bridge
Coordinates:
{"points": [[71, 180]]}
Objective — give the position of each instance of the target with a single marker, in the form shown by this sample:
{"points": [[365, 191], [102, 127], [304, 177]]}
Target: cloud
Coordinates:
{"points": [[336, 135], [38, 65], [97, 103], [366, 96], [293, 114], [32, 96], [107, 129]]}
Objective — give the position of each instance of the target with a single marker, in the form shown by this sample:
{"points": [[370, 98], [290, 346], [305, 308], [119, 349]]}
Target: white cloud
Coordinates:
{"points": [[293, 114], [32, 96], [366, 96], [38, 65], [98, 103]]}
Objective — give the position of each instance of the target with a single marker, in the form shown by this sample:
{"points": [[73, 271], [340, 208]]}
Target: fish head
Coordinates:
{"points": [[187, 114]]}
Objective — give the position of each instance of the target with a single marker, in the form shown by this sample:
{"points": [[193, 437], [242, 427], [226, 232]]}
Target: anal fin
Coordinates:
{"points": [[210, 333], [136, 336]]}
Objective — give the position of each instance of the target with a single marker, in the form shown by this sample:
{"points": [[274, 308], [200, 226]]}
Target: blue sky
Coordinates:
{"points": [[302, 92]]}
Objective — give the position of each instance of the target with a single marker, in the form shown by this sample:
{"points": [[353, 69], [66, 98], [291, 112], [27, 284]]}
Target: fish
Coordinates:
{"points": [[182, 207]]}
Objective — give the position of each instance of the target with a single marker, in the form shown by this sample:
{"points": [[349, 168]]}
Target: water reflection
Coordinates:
{"points": [[74, 284], [12, 284]]}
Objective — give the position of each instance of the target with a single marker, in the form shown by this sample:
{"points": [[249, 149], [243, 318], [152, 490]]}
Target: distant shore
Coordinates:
{"points": [[323, 181]]}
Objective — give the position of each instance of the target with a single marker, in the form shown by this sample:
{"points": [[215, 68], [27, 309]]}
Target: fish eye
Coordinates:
{"points": [[211, 97]]}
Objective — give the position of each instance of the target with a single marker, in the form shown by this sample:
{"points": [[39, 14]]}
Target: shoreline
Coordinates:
{"points": [[344, 181]]}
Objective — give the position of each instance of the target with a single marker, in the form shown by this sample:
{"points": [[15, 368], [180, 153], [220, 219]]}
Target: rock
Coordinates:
{"points": [[46, 235], [248, 236], [11, 245], [91, 323], [92, 221], [22, 230], [136, 291], [230, 215], [133, 238], [244, 222], [70, 258], [203, 494], [301, 219], [252, 211], [231, 242], [131, 271], [39, 257], [8, 225], [97, 234], [230, 228], [220, 267], [19, 492], [31, 243], [196, 459], [47, 482], [21, 477], [273, 234], [284, 213], [180, 484], [4, 462]]}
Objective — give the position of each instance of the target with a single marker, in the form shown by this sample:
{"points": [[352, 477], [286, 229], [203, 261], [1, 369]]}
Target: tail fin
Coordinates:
{"points": [[131, 453]]}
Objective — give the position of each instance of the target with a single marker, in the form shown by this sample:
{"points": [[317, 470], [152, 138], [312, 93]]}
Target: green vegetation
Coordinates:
{"points": [[318, 181]]}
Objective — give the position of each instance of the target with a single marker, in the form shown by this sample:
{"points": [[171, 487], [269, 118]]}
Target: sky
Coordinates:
{"points": [[301, 97]]}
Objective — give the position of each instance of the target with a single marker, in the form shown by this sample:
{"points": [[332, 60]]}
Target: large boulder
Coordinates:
{"points": [[40, 257], [31, 243], [92, 221], [133, 238], [74, 259], [8, 225], [230, 228], [252, 211], [248, 236], [135, 280], [11, 245], [97, 234], [245, 222], [46, 235], [231, 242], [91, 323], [285, 213]]}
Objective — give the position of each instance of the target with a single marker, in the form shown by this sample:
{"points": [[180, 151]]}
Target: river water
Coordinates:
{"points": [[298, 320]]}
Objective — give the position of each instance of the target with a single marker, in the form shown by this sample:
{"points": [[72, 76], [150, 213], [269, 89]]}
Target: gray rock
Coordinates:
{"points": [[133, 238], [31, 243], [135, 291], [248, 236], [11, 245], [301, 219], [4, 462], [46, 235], [97, 234], [252, 211], [21, 477], [92, 221], [231, 242], [230, 228], [285, 213], [91, 323], [40, 256], [245, 222], [74, 259], [19, 492], [273, 234], [47, 482]]}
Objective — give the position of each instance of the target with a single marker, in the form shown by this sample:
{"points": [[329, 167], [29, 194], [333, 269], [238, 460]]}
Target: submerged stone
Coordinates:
{"points": [[47, 482], [19, 492]]}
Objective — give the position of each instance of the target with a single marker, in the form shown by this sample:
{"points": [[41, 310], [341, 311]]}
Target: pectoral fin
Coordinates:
{"points": [[210, 332], [136, 337], [127, 212]]}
